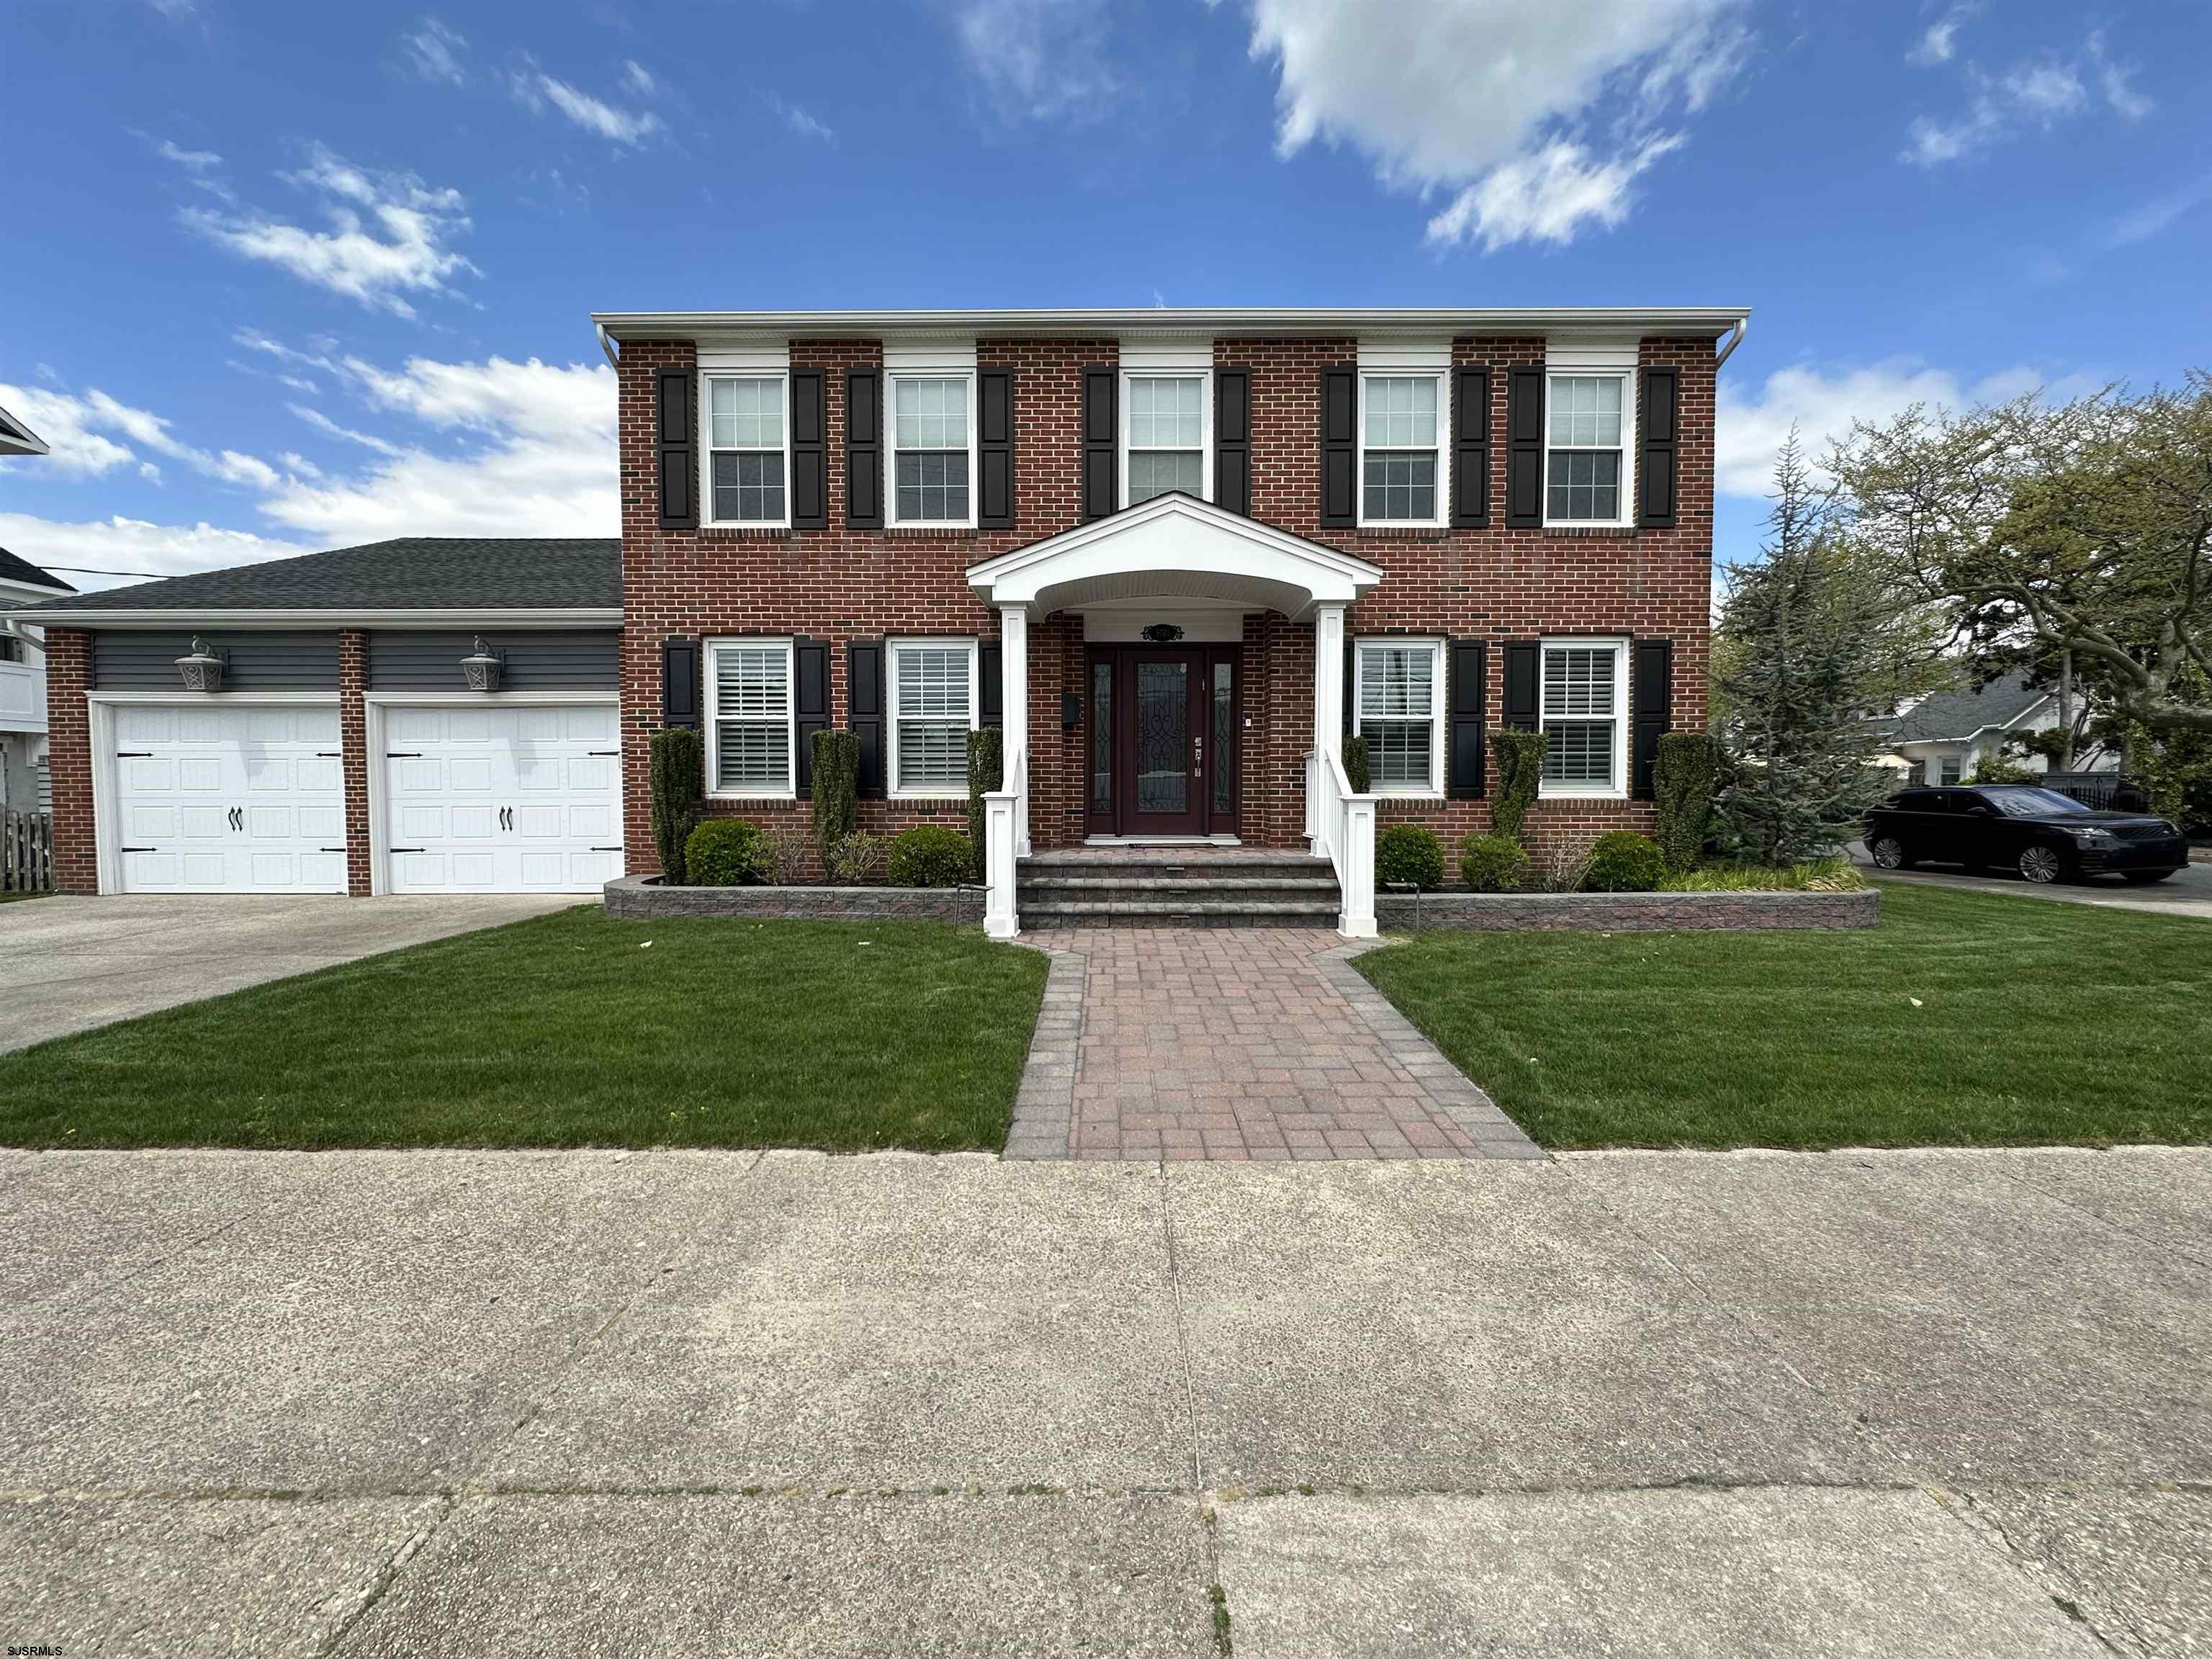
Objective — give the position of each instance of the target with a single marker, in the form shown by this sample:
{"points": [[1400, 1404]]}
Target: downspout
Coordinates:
{"points": [[1734, 339], [614, 360]]}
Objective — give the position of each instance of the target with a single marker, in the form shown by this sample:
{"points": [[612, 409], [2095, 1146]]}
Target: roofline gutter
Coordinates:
{"points": [[183, 617], [606, 345], [1710, 321], [1734, 339]]}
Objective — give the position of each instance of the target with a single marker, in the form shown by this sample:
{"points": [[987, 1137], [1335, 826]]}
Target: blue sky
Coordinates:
{"points": [[288, 277]]}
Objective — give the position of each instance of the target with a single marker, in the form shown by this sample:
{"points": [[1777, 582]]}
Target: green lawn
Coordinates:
{"points": [[14, 893], [1964, 1019], [570, 1031]]}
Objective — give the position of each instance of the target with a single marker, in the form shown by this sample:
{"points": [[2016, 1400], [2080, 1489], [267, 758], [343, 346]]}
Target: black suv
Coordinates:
{"points": [[2044, 835]]}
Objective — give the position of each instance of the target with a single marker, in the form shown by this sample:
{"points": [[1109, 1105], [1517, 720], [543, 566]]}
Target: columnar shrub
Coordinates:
{"points": [[1357, 771], [930, 855], [677, 772], [726, 853], [1409, 854], [1495, 863], [1683, 778], [1517, 758], [837, 789], [987, 770], [1622, 862]]}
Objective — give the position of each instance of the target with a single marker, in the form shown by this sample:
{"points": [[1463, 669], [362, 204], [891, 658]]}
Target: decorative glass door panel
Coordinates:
{"points": [[1164, 755]]}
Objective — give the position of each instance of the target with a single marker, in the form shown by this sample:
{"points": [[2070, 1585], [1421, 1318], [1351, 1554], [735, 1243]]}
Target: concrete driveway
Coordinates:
{"points": [[69, 963], [2185, 893], [1933, 1403]]}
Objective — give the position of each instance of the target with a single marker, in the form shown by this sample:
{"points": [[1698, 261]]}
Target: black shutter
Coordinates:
{"points": [[991, 692], [1339, 447], [994, 448], [1650, 711], [1351, 685], [679, 682], [1524, 448], [811, 703], [678, 440], [810, 459], [864, 449], [1520, 683], [1658, 426], [1232, 440], [1470, 477], [864, 712], [1100, 418], [1463, 713]]}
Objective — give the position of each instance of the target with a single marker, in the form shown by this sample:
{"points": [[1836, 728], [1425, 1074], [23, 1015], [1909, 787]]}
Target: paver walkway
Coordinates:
{"points": [[1238, 1044]]}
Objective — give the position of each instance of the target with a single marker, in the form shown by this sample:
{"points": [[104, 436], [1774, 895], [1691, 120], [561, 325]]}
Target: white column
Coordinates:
{"points": [[1014, 709], [1329, 690]]}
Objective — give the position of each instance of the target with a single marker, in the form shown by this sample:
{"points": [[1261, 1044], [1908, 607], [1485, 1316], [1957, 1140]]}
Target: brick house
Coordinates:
{"points": [[1176, 555]]}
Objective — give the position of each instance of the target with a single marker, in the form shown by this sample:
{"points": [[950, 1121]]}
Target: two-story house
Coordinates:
{"points": [[1176, 555]]}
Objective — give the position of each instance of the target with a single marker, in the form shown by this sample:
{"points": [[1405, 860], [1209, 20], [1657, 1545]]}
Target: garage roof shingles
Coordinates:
{"points": [[412, 572]]}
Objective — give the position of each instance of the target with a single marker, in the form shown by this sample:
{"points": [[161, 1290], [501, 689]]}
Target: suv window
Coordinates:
{"points": [[1917, 800]]}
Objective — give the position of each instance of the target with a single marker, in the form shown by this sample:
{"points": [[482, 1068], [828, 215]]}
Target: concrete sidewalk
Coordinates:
{"points": [[1936, 1403]]}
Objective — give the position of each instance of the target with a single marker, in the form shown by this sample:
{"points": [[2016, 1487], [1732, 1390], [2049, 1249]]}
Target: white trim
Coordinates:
{"points": [[707, 377], [1619, 645], [1570, 353], [1124, 621], [1203, 376], [1361, 644], [708, 688], [184, 699], [1155, 323], [1595, 363], [926, 642], [936, 372], [942, 356], [1404, 355], [744, 358], [471, 699], [186, 616], [1442, 378], [1172, 356]]}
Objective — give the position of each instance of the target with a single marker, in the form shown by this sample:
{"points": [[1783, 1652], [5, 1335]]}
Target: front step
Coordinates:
{"points": [[1177, 887]]}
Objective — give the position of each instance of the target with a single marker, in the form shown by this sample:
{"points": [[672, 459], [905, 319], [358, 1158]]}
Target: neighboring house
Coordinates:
{"points": [[16, 439], [23, 786], [1177, 555], [1943, 737]]}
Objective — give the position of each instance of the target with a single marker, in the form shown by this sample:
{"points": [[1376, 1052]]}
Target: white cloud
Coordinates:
{"points": [[2155, 217], [435, 52], [121, 544], [1939, 43], [1539, 116], [1038, 59], [83, 431], [535, 89], [638, 78], [322, 423], [2116, 81], [2031, 94], [390, 237], [798, 120]]}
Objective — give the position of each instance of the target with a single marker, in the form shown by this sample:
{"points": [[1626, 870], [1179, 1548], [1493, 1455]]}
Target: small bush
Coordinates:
{"points": [[1495, 863], [1411, 854], [1357, 767], [677, 773], [930, 855], [854, 859], [1818, 875], [1518, 763], [1622, 862], [1683, 777], [1995, 767], [987, 770], [836, 781], [726, 853], [787, 846]]}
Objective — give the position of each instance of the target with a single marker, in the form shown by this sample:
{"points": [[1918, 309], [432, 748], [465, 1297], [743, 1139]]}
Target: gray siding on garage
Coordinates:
{"points": [[133, 659], [538, 659]]}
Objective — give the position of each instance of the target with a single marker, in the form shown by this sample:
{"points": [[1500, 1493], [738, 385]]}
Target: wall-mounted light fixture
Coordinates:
{"points": [[202, 670], [482, 666], [1070, 711]]}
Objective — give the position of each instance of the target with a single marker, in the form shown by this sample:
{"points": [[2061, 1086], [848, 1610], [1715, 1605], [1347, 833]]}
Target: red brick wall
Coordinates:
{"points": [[68, 759], [353, 748]]}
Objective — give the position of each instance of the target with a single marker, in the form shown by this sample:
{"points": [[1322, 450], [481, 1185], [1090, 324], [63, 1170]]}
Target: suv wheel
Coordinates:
{"points": [[1889, 854], [2041, 864]]}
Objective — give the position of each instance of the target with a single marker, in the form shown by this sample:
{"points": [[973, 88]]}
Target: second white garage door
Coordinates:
{"points": [[502, 799]]}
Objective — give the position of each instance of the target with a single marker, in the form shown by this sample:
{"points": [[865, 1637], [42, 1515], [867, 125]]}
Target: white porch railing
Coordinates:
{"points": [[1002, 815], [22, 697], [1342, 825]]}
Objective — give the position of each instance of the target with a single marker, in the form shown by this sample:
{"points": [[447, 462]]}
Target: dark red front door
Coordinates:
{"points": [[1161, 743]]}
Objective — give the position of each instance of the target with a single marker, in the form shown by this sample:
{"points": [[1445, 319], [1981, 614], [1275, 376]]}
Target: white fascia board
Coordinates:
{"points": [[1162, 506], [1153, 324], [609, 617]]}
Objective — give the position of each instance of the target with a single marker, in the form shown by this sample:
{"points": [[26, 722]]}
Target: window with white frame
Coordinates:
{"points": [[1401, 435], [749, 717], [745, 453], [1585, 462], [1583, 713], [934, 708], [1398, 706], [931, 427], [1165, 435]]}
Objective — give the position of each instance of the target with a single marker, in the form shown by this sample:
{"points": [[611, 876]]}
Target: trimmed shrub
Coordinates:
{"points": [[853, 860], [1517, 764], [1356, 766], [987, 770], [837, 789], [930, 855], [1683, 778], [1409, 854], [1495, 863], [726, 853], [1622, 862], [677, 775]]}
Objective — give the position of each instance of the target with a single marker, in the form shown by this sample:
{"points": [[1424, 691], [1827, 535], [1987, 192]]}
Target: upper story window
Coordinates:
{"points": [[747, 462], [1585, 715], [1163, 434], [933, 448], [1398, 706], [1400, 439], [751, 718], [1587, 441], [934, 708]]}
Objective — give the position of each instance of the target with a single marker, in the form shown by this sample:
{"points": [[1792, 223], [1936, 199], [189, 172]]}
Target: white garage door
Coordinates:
{"points": [[236, 798], [496, 798]]}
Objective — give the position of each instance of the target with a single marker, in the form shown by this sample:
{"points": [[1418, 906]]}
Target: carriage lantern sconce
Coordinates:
{"points": [[202, 670], [1070, 711], [482, 666]]}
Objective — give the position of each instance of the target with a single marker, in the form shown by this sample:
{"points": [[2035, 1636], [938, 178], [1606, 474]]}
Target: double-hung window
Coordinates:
{"points": [[1164, 434], [1586, 449], [750, 718], [747, 460], [1398, 706], [932, 456], [1401, 438], [1584, 717], [934, 708]]}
